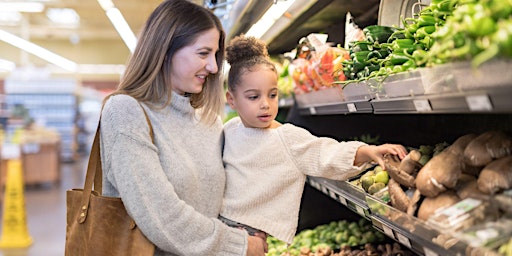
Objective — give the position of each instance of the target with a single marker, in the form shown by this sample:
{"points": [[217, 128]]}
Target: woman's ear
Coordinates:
{"points": [[230, 100]]}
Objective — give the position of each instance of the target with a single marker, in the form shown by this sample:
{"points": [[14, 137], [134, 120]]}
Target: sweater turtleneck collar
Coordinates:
{"points": [[181, 103]]}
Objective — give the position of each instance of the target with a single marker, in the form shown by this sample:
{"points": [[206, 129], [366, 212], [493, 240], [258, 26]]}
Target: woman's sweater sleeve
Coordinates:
{"points": [[134, 170], [321, 156]]}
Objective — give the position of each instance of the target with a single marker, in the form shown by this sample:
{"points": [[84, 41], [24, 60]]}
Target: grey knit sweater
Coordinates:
{"points": [[173, 188], [266, 170]]}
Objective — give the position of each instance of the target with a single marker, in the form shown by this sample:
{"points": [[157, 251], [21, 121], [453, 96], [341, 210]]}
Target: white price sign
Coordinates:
{"points": [[312, 110], [422, 105], [429, 252], [403, 239], [332, 194], [360, 210], [388, 231], [479, 103], [343, 200], [351, 107]]}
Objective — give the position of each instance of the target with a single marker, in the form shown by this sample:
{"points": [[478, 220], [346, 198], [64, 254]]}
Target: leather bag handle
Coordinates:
{"points": [[94, 170]]}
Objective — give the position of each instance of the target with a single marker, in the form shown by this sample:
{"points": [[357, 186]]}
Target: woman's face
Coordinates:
{"points": [[256, 98], [191, 64]]}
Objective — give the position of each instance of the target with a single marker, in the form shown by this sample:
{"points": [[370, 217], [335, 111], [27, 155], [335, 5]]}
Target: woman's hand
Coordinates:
{"points": [[375, 153], [257, 246]]}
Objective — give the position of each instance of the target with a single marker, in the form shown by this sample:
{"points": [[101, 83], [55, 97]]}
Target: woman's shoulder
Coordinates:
{"points": [[121, 109]]}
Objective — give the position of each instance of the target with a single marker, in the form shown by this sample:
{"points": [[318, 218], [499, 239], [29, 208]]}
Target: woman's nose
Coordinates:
{"points": [[211, 66]]}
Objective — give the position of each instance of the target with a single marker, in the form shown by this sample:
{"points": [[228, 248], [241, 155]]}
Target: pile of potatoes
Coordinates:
{"points": [[475, 165]]}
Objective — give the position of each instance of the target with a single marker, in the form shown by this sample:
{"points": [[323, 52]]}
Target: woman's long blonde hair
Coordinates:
{"points": [[173, 25]]}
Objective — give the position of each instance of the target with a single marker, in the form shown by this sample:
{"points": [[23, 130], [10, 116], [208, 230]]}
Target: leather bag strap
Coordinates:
{"points": [[94, 173]]}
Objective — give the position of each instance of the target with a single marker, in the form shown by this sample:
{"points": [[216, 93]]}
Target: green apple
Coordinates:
{"points": [[382, 176]]}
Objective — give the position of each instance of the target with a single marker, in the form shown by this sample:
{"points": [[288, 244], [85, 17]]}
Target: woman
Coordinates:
{"points": [[173, 187]]}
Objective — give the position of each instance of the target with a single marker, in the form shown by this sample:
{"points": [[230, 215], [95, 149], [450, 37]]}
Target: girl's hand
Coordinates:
{"points": [[375, 153], [256, 246]]}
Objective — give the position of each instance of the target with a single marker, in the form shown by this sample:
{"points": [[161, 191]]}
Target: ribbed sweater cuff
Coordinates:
{"points": [[237, 239]]}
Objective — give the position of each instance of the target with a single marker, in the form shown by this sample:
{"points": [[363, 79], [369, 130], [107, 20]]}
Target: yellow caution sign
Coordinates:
{"points": [[14, 224]]}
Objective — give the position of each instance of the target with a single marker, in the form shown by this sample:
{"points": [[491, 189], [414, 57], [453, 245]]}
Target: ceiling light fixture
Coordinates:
{"points": [[63, 16], [120, 24], [269, 18], [6, 65], [38, 51], [21, 6]]}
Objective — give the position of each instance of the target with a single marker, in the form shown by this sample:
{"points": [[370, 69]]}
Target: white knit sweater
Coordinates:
{"points": [[266, 170], [173, 189]]}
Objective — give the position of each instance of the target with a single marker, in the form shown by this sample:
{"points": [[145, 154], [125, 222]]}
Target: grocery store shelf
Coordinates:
{"points": [[403, 228], [455, 88]]}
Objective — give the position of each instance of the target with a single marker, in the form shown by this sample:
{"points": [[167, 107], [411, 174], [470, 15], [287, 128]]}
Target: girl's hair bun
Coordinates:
{"points": [[243, 48]]}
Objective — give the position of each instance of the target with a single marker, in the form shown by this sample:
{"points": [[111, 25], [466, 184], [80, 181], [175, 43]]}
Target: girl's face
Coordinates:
{"points": [[193, 63], [256, 98]]}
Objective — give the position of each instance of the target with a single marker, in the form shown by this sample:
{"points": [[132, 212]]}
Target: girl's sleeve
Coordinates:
{"points": [[134, 169], [321, 156]]}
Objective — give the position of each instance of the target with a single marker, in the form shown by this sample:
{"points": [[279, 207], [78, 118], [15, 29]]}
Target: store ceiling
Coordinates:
{"points": [[95, 41]]}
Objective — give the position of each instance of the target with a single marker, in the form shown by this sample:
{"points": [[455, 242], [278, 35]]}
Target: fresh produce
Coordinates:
{"points": [[506, 249], [373, 180], [403, 171], [285, 82], [487, 147], [333, 236], [399, 199], [496, 176], [431, 204], [467, 186], [478, 30], [443, 170]]}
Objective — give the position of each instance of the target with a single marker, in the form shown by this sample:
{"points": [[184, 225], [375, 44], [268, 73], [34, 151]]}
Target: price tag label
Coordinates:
{"points": [[333, 195], [351, 107], [343, 200], [422, 105], [403, 239], [388, 231], [360, 210], [479, 103], [429, 252], [313, 184], [312, 110]]}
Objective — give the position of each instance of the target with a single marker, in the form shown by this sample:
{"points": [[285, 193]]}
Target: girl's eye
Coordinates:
{"points": [[273, 95], [252, 97]]}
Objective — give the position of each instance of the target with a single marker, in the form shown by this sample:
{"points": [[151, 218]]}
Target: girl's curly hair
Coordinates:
{"points": [[244, 54]]}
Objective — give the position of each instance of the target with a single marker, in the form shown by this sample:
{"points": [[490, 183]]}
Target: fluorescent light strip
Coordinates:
{"points": [[21, 6], [269, 18], [120, 24], [6, 65], [38, 51], [122, 28]]}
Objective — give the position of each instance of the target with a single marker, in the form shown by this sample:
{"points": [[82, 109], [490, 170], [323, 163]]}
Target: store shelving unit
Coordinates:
{"points": [[52, 103], [421, 100]]}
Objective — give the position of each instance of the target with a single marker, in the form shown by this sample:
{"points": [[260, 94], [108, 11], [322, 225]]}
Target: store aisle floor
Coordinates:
{"points": [[46, 212]]}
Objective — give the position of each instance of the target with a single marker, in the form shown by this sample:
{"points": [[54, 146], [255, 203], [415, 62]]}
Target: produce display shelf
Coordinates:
{"points": [[286, 102], [449, 88], [408, 230], [417, 234], [490, 100], [337, 108], [350, 200]]}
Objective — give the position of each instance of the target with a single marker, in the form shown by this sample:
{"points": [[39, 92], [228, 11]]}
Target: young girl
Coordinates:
{"points": [[267, 162]]}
